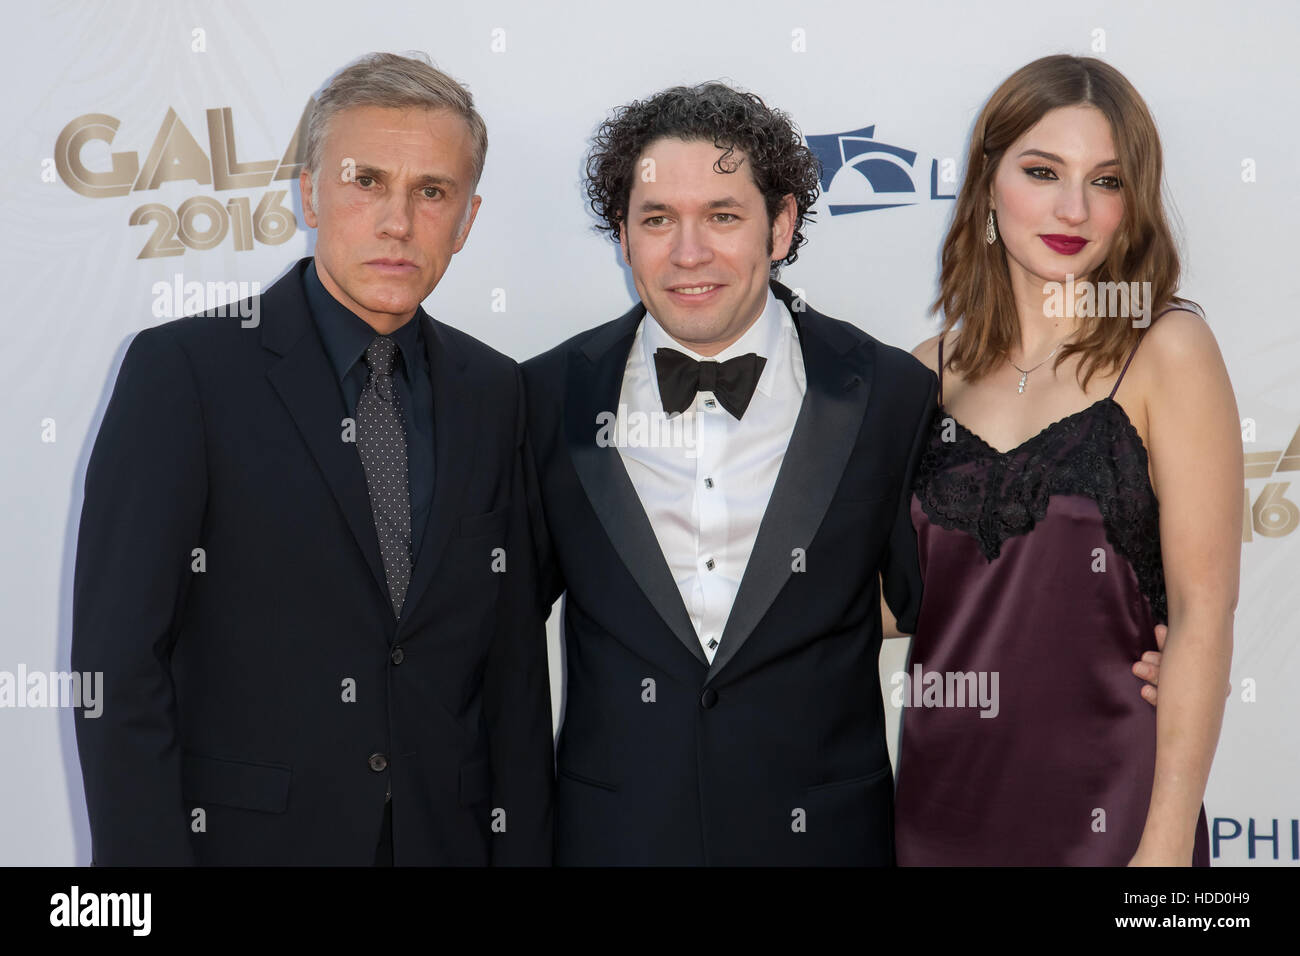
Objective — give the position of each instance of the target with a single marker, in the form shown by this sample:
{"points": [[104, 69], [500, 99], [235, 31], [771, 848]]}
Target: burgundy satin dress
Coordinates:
{"points": [[1041, 565]]}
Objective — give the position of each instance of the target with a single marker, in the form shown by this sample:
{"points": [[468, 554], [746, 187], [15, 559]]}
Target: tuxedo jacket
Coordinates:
{"points": [[261, 697], [775, 753]]}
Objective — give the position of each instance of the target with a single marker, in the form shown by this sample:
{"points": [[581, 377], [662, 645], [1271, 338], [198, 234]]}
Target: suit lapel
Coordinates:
{"points": [[455, 424], [838, 385], [305, 382], [595, 379]]}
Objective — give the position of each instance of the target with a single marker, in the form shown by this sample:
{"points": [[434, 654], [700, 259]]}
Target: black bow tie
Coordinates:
{"points": [[733, 381]]}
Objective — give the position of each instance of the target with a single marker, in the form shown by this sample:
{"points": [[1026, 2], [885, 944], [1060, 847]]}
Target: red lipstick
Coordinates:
{"points": [[1065, 245]]}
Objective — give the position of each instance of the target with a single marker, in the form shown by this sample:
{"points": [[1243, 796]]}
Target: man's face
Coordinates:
{"points": [[700, 243], [393, 203]]}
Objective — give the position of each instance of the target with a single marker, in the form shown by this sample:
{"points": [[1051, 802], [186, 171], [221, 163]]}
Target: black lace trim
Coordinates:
{"points": [[967, 485]]}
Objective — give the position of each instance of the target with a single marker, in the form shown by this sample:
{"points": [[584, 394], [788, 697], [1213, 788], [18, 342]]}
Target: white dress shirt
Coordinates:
{"points": [[703, 477]]}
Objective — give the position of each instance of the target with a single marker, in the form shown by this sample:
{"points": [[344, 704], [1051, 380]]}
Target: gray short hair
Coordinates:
{"points": [[392, 80]]}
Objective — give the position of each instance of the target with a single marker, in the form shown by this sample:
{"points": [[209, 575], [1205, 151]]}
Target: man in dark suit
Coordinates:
{"points": [[304, 565], [722, 567]]}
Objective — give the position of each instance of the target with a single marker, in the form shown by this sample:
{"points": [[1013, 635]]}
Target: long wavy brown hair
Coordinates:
{"points": [[975, 284]]}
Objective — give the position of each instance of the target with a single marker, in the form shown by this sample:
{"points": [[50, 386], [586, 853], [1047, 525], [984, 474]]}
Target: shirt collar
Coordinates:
{"points": [[765, 337], [347, 336]]}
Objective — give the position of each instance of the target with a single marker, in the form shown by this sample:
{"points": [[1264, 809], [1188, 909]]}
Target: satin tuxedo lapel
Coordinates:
{"points": [[838, 369], [306, 383], [595, 380]]}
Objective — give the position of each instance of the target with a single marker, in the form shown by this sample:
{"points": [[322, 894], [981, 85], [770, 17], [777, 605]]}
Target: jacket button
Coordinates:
{"points": [[398, 654], [378, 763], [708, 698]]}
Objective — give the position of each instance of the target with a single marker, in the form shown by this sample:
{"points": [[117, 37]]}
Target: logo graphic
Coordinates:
{"points": [[200, 222], [1273, 514], [884, 172]]}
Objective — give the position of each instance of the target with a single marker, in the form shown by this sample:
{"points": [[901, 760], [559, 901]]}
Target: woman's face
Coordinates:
{"points": [[1056, 197]]}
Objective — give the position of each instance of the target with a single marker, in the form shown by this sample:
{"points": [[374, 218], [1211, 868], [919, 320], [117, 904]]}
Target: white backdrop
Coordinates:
{"points": [[1221, 80]]}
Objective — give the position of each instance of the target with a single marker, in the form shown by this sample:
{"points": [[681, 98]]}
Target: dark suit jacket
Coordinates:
{"points": [[275, 690], [775, 753]]}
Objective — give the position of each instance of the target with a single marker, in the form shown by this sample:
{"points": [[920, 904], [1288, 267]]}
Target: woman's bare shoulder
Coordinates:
{"points": [[1178, 338], [1178, 349], [1179, 355], [928, 352]]}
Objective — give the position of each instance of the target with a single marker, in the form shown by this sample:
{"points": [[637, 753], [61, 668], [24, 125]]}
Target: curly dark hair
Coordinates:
{"points": [[734, 121]]}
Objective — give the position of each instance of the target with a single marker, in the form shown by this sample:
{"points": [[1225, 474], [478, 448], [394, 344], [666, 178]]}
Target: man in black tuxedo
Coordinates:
{"points": [[304, 565], [722, 567]]}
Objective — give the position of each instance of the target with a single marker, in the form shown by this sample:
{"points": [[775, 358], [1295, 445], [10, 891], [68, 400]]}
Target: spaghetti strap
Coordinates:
{"points": [[1131, 353], [941, 368]]}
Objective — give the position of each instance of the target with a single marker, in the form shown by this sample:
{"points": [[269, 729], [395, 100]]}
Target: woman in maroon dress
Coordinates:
{"points": [[1060, 516]]}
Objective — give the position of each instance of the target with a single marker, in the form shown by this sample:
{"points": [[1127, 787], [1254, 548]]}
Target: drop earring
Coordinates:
{"points": [[990, 230]]}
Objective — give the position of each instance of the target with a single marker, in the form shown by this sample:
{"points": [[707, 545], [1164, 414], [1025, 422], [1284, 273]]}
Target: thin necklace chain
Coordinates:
{"points": [[1024, 373], [1040, 364]]}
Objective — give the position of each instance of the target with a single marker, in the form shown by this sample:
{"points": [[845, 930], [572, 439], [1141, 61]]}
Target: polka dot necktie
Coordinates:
{"points": [[381, 442]]}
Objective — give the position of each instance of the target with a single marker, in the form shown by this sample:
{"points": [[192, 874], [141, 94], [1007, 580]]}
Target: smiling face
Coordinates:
{"points": [[699, 242], [393, 203], [1057, 197]]}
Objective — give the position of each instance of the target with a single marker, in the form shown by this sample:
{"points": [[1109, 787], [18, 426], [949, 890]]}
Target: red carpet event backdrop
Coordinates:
{"points": [[151, 171]]}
